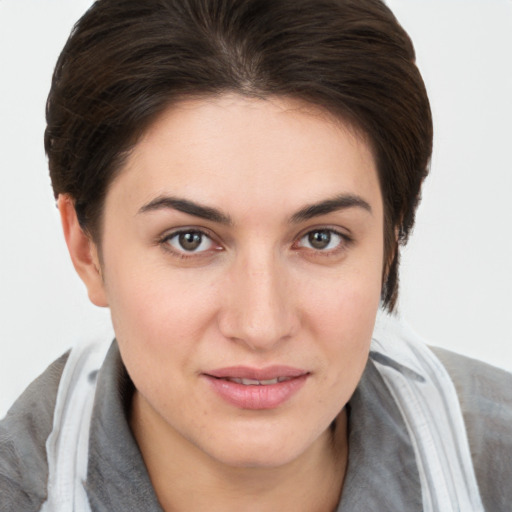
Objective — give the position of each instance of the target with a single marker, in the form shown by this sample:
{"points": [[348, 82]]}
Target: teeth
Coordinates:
{"points": [[250, 382], [266, 382], [254, 382]]}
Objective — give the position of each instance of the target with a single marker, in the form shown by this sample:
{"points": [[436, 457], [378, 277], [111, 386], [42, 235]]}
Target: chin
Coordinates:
{"points": [[271, 447], [258, 458]]}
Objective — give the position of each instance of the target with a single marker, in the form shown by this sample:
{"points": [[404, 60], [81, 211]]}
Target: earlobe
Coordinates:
{"points": [[83, 252]]}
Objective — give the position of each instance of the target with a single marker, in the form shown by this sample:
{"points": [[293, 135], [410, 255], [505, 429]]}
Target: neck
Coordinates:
{"points": [[191, 480]]}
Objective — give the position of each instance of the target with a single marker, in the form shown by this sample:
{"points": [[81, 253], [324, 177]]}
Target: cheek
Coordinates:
{"points": [[341, 316], [344, 301], [154, 308], [160, 319], [346, 324]]}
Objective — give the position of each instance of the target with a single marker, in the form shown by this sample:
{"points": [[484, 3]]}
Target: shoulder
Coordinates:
{"points": [[23, 434], [485, 396]]}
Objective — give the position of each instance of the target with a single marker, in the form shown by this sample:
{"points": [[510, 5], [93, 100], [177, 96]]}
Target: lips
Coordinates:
{"points": [[251, 388]]}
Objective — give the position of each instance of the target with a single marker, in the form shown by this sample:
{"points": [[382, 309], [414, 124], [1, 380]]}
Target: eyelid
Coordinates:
{"points": [[346, 240], [163, 241]]}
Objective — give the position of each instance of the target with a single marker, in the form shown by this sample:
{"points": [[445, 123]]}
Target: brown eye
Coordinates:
{"points": [[319, 239], [190, 241], [322, 240]]}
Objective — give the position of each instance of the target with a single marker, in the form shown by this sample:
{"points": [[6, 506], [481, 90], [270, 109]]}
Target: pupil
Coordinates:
{"points": [[319, 239], [190, 241]]}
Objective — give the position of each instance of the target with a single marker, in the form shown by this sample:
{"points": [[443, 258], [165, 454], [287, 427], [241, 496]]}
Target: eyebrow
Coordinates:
{"points": [[188, 207], [341, 202]]}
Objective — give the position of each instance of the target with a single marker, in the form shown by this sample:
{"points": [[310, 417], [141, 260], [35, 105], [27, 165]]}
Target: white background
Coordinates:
{"points": [[456, 272]]}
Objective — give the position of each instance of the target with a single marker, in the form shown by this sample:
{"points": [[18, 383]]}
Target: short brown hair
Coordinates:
{"points": [[126, 61]]}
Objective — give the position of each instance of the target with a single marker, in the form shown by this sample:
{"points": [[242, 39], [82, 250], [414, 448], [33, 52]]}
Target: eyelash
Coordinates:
{"points": [[182, 253], [344, 242]]}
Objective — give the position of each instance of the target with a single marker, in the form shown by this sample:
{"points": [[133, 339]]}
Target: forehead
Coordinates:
{"points": [[272, 152]]}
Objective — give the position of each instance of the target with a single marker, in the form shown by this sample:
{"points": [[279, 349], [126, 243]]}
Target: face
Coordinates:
{"points": [[242, 256]]}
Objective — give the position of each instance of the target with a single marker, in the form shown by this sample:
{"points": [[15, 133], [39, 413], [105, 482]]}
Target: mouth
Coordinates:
{"points": [[255, 382], [256, 389]]}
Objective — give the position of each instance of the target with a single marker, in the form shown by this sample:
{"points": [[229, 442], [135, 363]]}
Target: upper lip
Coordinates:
{"points": [[247, 372]]}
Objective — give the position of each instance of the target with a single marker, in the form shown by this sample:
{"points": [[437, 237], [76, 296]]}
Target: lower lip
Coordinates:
{"points": [[270, 396]]}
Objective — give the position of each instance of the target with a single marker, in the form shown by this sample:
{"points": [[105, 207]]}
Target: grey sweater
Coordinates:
{"points": [[381, 476]]}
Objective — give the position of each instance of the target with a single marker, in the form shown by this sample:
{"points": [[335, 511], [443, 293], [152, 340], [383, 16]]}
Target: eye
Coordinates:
{"points": [[322, 240], [190, 241]]}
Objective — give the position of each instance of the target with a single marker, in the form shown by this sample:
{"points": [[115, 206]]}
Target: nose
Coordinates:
{"points": [[258, 304]]}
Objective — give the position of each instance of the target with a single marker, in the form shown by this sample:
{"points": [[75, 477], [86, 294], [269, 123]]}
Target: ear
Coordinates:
{"points": [[83, 252]]}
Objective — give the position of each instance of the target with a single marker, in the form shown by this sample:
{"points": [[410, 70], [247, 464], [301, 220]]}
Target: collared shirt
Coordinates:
{"points": [[382, 474]]}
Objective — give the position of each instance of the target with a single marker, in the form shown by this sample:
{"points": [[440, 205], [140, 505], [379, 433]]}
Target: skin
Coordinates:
{"points": [[256, 292]]}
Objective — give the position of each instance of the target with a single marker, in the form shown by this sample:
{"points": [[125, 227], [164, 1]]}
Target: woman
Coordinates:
{"points": [[234, 179]]}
